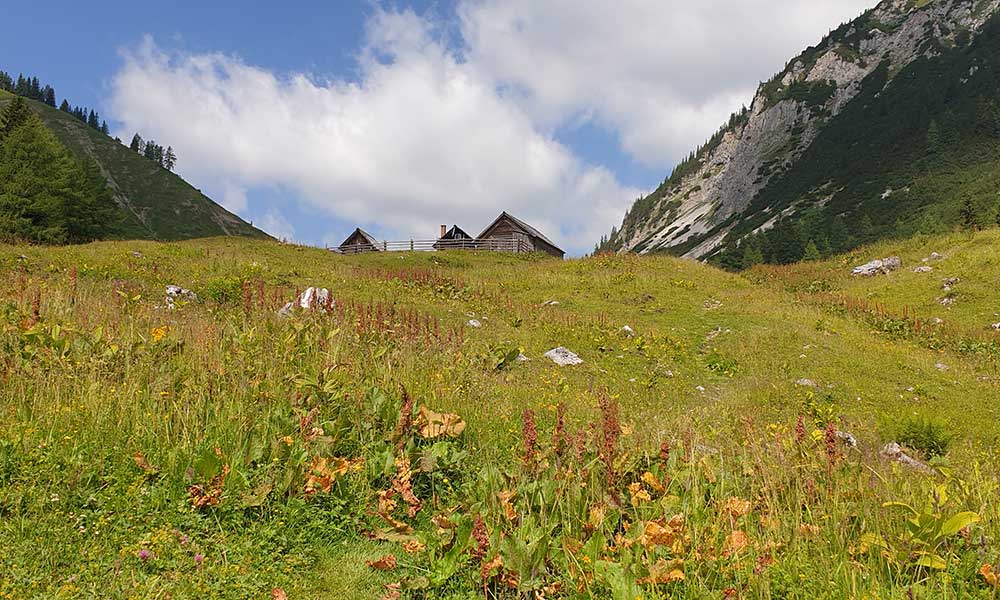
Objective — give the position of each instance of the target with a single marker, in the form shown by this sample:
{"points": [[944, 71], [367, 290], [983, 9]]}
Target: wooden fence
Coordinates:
{"points": [[490, 245]]}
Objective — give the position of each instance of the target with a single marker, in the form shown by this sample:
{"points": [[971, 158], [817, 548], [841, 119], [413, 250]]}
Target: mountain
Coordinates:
{"points": [[152, 202], [888, 127]]}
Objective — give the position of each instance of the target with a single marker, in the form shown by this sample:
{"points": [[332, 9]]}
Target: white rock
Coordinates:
{"points": [[700, 388], [941, 367], [893, 451], [550, 303], [848, 439], [806, 383], [947, 301], [996, 326], [172, 293], [312, 298], [878, 266], [474, 323], [522, 358], [563, 357], [628, 331], [923, 269]]}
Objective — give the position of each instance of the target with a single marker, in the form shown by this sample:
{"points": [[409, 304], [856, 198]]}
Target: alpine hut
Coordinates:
{"points": [[358, 242], [521, 237], [454, 238]]}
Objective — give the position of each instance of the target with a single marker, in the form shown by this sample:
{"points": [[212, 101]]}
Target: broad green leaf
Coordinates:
{"points": [[958, 523]]}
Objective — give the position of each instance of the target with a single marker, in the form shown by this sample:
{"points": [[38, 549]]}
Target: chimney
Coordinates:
{"points": [[444, 230]]}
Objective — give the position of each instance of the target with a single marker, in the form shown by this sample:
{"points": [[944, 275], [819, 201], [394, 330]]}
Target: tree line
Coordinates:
{"points": [[46, 195], [154, 152], [32, 88]]}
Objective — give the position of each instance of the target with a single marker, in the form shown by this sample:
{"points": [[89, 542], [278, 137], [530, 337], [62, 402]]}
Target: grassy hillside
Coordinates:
{"points": [[217, 450], [158, 204]]}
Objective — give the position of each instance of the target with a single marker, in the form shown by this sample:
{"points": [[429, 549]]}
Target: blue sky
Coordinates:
{"points": [[311, 118]]}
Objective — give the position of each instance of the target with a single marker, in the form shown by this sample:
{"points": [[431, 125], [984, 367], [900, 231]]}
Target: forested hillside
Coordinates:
{"points": [[68, 169]]}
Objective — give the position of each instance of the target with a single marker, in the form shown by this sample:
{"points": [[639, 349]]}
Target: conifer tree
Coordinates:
{"points": [[137, 144], [104, 128], [65, 107], [169, 159], [811, 251], [49, 96], [92, 120]]}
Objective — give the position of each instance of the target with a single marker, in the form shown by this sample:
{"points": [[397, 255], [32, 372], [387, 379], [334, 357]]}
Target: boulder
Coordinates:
{"points": [[474, 323], [880, 266], [848, 439], [173, 293], [627, 331], [312, 299], [894, 452], [950, 282], [996, 326], [806, 383], [563, 357]]}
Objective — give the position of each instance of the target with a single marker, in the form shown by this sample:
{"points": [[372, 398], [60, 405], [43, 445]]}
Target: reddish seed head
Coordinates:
{"points": [[800, 430], [665, 451], [144, 554]]}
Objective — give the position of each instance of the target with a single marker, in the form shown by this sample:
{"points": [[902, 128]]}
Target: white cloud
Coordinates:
{"points": [[429, 134], [422, 139], [277, 225], [663, 74]]}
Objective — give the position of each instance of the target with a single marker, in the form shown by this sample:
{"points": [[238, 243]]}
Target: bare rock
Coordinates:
{"points": [[879, 266], [627, 331], [848, 439], [174, 293], [996, 326], [563, 357], [474, 323], [312, 298], [550, 303], [950, 282], [894, 452], [806, 383], [923, 269]]}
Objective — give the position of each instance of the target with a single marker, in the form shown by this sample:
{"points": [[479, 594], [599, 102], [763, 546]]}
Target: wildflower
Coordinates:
{"points": [[198, 559], [611, 432], [158, 333], [144, 554], [665, 451], [482, 538], [830, 439], [800, 430], [560, 439]]}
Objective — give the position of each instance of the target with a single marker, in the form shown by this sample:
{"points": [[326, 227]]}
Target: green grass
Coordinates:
{"points": [[103, 374]]}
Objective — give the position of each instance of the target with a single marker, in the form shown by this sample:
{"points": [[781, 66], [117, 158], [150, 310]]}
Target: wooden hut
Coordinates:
{"points": [[454, 238], [358, 242], [521, 237]]}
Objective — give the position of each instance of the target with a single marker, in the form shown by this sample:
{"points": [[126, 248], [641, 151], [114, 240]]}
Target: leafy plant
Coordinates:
{"points": [[931, 437]]}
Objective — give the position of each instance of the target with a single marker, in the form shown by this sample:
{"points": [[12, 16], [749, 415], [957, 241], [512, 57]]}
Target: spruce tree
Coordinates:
{"points": [[92, 120], [137, 144], [811, 251], [169, 159], [104, 128], [45, 195], [36, 89], [970, 218], [6, 82], [49, 95], [65, 107], [13, 116]]}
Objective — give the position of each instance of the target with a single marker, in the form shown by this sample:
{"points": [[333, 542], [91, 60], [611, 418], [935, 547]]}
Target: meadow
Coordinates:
{"points": [[726, 444]]}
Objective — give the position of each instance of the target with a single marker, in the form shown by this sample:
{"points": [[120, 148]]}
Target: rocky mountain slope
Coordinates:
{"points": [[854, 140], [156, 203]]}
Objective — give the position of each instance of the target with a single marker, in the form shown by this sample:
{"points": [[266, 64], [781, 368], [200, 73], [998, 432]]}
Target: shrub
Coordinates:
{"points": [[929, 436], [224, 290]]}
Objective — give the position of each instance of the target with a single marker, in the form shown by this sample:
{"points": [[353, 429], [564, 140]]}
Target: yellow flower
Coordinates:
{"points": [[158, 333]]}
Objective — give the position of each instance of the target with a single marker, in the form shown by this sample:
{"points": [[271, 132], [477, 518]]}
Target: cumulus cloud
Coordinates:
{"points": [[432, 132], [662, 74], [421, 139]]}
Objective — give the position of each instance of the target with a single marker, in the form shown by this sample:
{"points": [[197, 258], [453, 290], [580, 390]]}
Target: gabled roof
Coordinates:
{"points": [[456, 233], [528, 229], [364, 234]]}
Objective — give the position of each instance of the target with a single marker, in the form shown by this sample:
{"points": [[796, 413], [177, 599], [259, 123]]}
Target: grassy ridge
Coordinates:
{"points": [[157, 204], [122, 416]]}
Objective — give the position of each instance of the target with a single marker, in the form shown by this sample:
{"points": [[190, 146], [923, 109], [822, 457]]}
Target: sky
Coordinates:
{"points": [[312, 118]]}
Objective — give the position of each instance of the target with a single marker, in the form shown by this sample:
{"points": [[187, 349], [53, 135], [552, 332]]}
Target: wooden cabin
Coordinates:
{"points": [[521, 237], [454, 238], [358, 242]]}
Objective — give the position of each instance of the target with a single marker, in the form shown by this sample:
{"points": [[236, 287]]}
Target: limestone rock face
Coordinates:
{"points": [[695, 210], [880, 266]]}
